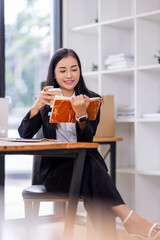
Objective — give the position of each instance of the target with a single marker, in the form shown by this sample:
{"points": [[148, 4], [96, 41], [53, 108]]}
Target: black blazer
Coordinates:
{"points": [[29, 127]]}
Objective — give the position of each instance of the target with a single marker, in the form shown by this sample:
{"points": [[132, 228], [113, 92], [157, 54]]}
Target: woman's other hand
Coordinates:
{"points": [[80, 104], [45, 97]]}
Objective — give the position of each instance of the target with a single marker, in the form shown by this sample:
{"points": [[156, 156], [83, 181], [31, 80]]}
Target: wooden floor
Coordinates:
{"points": [[53, 231], [50, 231]]}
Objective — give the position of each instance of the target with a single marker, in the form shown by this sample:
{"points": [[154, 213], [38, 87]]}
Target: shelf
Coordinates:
{"points": [[125, 120], [87, 29], [155, 67], [122, 71], [145, 120], [126, 23], [141, 120], [126, 170], [90, 74], [151, 16], [150, 172], [127, 27]]}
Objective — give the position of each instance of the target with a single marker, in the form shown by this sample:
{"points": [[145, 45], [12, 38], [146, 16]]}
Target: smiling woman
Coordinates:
{"points": [[67, 74], [102, 200]]}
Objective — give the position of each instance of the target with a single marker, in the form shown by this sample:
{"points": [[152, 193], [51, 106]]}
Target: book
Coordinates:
{"points": [[62, 110]]}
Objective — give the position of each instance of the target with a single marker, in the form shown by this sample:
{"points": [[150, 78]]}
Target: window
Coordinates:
{"points": [[28, 43]]}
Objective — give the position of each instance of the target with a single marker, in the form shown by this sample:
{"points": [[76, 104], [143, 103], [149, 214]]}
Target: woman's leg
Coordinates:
{"points": [[135, 223], [102, 219], [98, 187], [59, 178], [100, 193]]}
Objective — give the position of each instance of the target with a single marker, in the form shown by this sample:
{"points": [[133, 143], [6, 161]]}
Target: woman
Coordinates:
{"points": [[100, 194]]}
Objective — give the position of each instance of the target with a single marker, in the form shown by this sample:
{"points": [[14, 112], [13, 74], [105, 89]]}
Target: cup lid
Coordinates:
{"points": [[54, 89]]}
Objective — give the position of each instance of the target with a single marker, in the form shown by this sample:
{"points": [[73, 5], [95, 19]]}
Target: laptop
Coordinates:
{"points": [[4, 117]]}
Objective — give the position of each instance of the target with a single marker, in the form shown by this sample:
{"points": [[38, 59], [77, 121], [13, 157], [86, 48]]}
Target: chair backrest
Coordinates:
{"points": [[36, 160]]}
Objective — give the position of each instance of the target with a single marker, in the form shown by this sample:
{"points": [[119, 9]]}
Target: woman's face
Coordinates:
{"points": [[67, 75]]}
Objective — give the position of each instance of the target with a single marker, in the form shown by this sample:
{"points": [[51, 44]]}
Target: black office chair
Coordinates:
{"points": [[37, 193]]}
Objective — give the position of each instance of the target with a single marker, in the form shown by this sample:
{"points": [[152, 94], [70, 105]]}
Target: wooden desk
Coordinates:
{"points": [[49, 148], [112, 142]]}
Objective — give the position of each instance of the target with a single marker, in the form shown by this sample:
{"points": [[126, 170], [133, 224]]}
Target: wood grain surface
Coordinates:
{"points": [[44, 145], [107, 139]]}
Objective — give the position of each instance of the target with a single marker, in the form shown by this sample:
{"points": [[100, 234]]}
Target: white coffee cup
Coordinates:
{"points": [[57, 91]]}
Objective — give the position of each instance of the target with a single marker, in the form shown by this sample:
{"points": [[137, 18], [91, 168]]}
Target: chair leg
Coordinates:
{"points": [[28, 209], [31, 215], [35, 208], [31, 208], [91, 232], [60, 209]]}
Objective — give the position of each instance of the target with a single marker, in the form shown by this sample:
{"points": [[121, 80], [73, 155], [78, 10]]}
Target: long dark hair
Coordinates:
{"points": [[51, 81], [59, 54]]}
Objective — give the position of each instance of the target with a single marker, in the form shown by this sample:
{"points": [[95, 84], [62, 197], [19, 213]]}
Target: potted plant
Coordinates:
{"points": [[157, 56]]}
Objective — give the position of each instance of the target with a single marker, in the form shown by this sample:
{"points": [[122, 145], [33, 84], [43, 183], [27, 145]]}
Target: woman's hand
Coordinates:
{"points": [[80, 104], [45, 97]]}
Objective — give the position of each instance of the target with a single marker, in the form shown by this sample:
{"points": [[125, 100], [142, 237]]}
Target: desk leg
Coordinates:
{"points": [[74, 194], [2, 177], [113, 161]]}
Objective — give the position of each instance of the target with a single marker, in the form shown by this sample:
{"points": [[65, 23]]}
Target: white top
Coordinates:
{"points": [[66, 132]]}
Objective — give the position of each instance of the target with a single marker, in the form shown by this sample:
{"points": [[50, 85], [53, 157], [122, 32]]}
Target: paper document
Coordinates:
{"points": [[26, 139]]}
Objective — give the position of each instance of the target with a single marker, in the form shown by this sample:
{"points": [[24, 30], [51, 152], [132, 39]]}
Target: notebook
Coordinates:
{"points": [[62, 110]]}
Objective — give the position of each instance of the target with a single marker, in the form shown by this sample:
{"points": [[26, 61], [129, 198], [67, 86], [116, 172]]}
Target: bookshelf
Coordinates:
{"points": [[126, 26]]}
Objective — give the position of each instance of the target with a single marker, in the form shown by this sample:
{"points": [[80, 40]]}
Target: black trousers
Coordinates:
{"points": [[97, 188]]}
